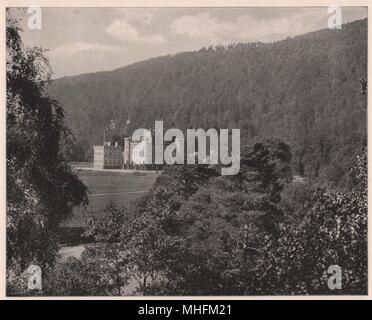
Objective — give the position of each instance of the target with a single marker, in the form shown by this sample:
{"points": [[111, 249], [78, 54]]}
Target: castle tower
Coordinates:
{"points": [[126, 153]]}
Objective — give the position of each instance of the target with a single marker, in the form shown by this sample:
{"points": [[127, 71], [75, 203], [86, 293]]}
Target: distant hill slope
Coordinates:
{"points": [[305, 90]]}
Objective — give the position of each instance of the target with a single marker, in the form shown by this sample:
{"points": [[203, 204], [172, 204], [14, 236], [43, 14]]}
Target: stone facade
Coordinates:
{"points": [[131, 156], [108, 157], [134, 155]]}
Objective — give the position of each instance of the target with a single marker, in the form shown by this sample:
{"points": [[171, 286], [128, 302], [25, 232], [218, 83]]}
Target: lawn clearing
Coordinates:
{"points": [[104, 187]]}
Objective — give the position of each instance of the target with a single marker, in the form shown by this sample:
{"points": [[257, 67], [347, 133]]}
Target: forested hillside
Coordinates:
{"points": [[304, 90]]}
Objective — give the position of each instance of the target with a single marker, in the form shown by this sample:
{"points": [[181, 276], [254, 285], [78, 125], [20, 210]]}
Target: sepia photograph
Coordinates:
{"points": [[186, 151]]}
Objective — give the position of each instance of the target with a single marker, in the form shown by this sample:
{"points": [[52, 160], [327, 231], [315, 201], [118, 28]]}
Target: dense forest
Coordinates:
{"points": [[303, 90]]}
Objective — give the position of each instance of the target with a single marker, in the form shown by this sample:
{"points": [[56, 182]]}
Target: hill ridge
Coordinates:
{"points": [[304, 90]]}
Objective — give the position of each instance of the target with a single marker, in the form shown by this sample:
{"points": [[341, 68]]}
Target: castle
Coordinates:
{"points": [[131, 156]]}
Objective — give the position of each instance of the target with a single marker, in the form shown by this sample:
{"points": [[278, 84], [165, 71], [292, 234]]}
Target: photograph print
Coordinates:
{"points": [[186, 151]]}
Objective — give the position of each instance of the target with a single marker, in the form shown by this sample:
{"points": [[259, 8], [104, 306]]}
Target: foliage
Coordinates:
{"points": [[153, 235], [41, 188], [296, 199], [210, 236], [103, 268], [225, 221], [187, 233], [333, 232]]}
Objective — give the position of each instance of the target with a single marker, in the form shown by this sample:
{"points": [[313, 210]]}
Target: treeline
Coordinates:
{"points": [[199, 233], [304, 90], [41, 188]]}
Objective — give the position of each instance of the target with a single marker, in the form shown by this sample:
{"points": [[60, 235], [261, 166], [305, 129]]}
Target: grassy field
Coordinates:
{"points": [[104, 187]]}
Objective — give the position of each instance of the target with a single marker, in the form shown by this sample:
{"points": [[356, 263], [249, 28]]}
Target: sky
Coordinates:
{"points": [[82, 40]]}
